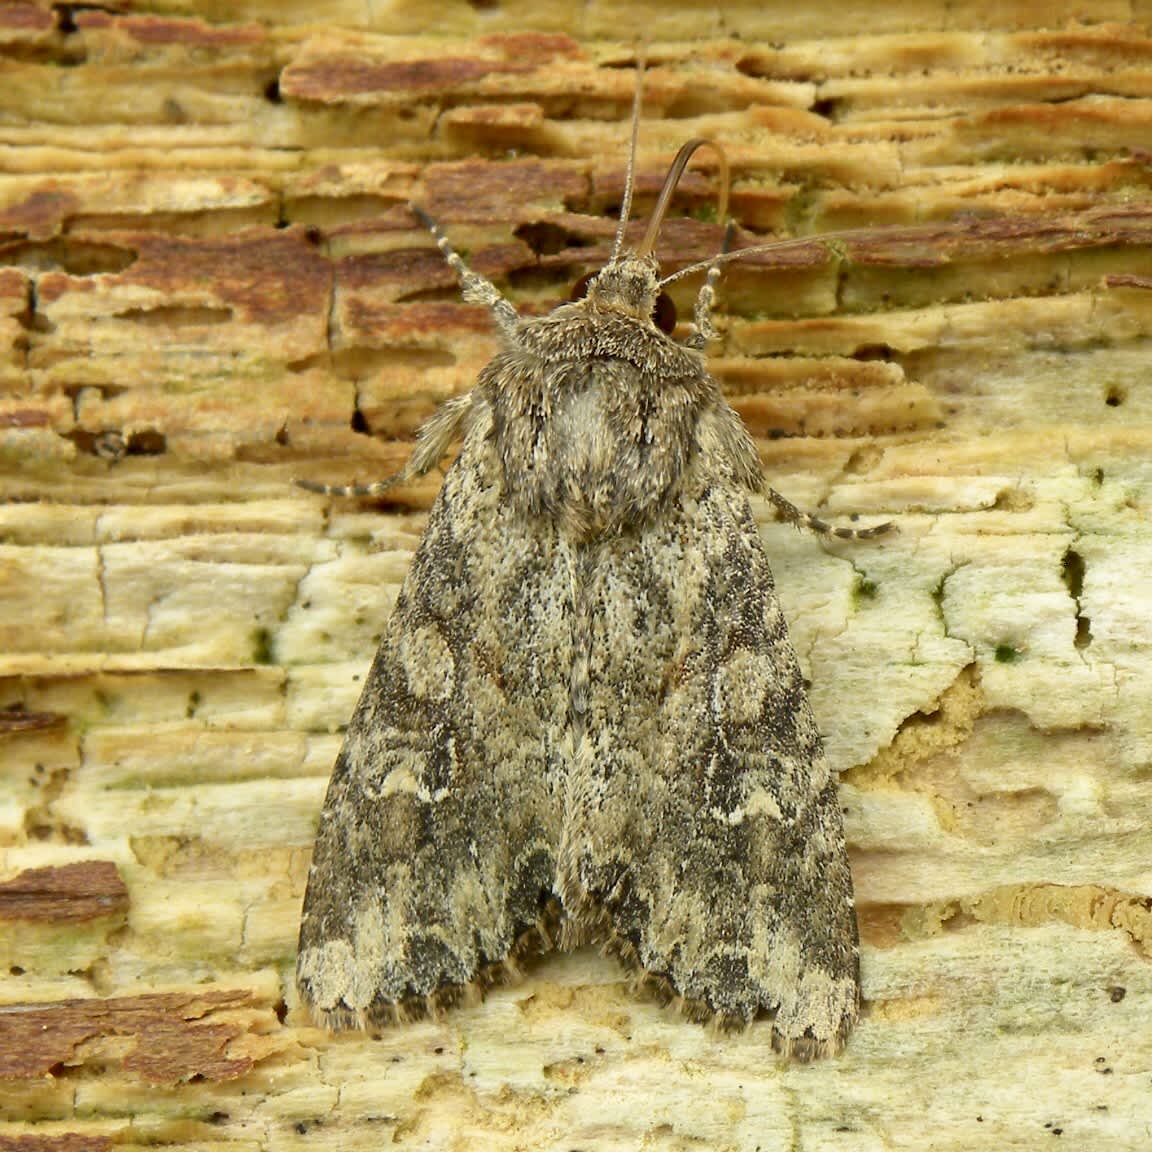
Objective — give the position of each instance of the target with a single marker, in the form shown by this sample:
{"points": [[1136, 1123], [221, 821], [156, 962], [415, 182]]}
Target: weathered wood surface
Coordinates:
{"points": [[209, 284]]}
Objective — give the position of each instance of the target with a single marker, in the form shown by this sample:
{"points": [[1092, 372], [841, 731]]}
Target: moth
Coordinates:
{"points": [[586, 721]]}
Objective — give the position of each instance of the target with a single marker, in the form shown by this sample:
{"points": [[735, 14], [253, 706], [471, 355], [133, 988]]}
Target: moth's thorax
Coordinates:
{"points": [[597, 418]]}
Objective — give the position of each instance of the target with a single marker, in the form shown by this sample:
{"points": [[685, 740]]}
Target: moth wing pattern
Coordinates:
{"points": [[586, 720], [438, 833], [740, 903]]}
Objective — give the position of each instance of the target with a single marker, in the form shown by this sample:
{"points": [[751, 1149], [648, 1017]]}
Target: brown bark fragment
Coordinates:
{"points": [[479, 191], [336, 77], [56, 1142], [171, 1037], [83, 891], [21, 418], [427, 322], [158, 30], [17, 18], [266, 278], [1004, 237], [40, 214], [537, 47]]}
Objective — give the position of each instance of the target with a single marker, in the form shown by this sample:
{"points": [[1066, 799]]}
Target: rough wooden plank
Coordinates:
{"points": [[209, 284]]}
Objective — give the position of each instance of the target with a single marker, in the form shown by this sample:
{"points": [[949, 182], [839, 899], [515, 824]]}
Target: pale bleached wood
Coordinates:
{"points": [[182, 632]]}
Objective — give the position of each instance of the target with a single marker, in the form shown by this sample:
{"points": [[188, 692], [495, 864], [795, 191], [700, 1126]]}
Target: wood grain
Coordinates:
{"points": [[210, 285]]}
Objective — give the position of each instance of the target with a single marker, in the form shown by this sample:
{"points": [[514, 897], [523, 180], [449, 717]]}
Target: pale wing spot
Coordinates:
{"points": [[734, 818], [399, 780], [742, 682], [761, 802], [380, 935], [819, 1004], [328, 970], [428, 663], [776, 958], [374, 951]]}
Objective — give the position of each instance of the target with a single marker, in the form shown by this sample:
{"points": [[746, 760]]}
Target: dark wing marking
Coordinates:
{"points": [[435, 855]]}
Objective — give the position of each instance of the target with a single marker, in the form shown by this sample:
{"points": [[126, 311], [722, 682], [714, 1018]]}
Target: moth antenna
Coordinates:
{"points": [[673, 178], [630, 173], [829, 238]]}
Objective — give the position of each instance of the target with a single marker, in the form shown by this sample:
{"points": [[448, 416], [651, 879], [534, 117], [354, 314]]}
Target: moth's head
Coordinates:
{"points": [[630, 285]]}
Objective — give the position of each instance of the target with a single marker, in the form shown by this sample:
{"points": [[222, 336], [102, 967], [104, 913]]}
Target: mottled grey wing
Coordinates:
{"points": [[435, 854], [711, 832]]}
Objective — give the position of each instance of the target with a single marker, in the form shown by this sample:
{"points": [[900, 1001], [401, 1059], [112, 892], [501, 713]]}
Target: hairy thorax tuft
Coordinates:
{"points": [[598, 420]]}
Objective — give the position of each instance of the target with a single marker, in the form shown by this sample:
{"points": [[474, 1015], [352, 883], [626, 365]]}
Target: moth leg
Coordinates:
{"points": [[432, 441], [705, 330], [350, 491], [437, 434], [434, 438], [476, 288], [789, 512]]}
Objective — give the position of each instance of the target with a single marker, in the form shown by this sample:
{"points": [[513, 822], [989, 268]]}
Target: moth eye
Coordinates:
{"points": [[664, 314], [580, 288]]}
